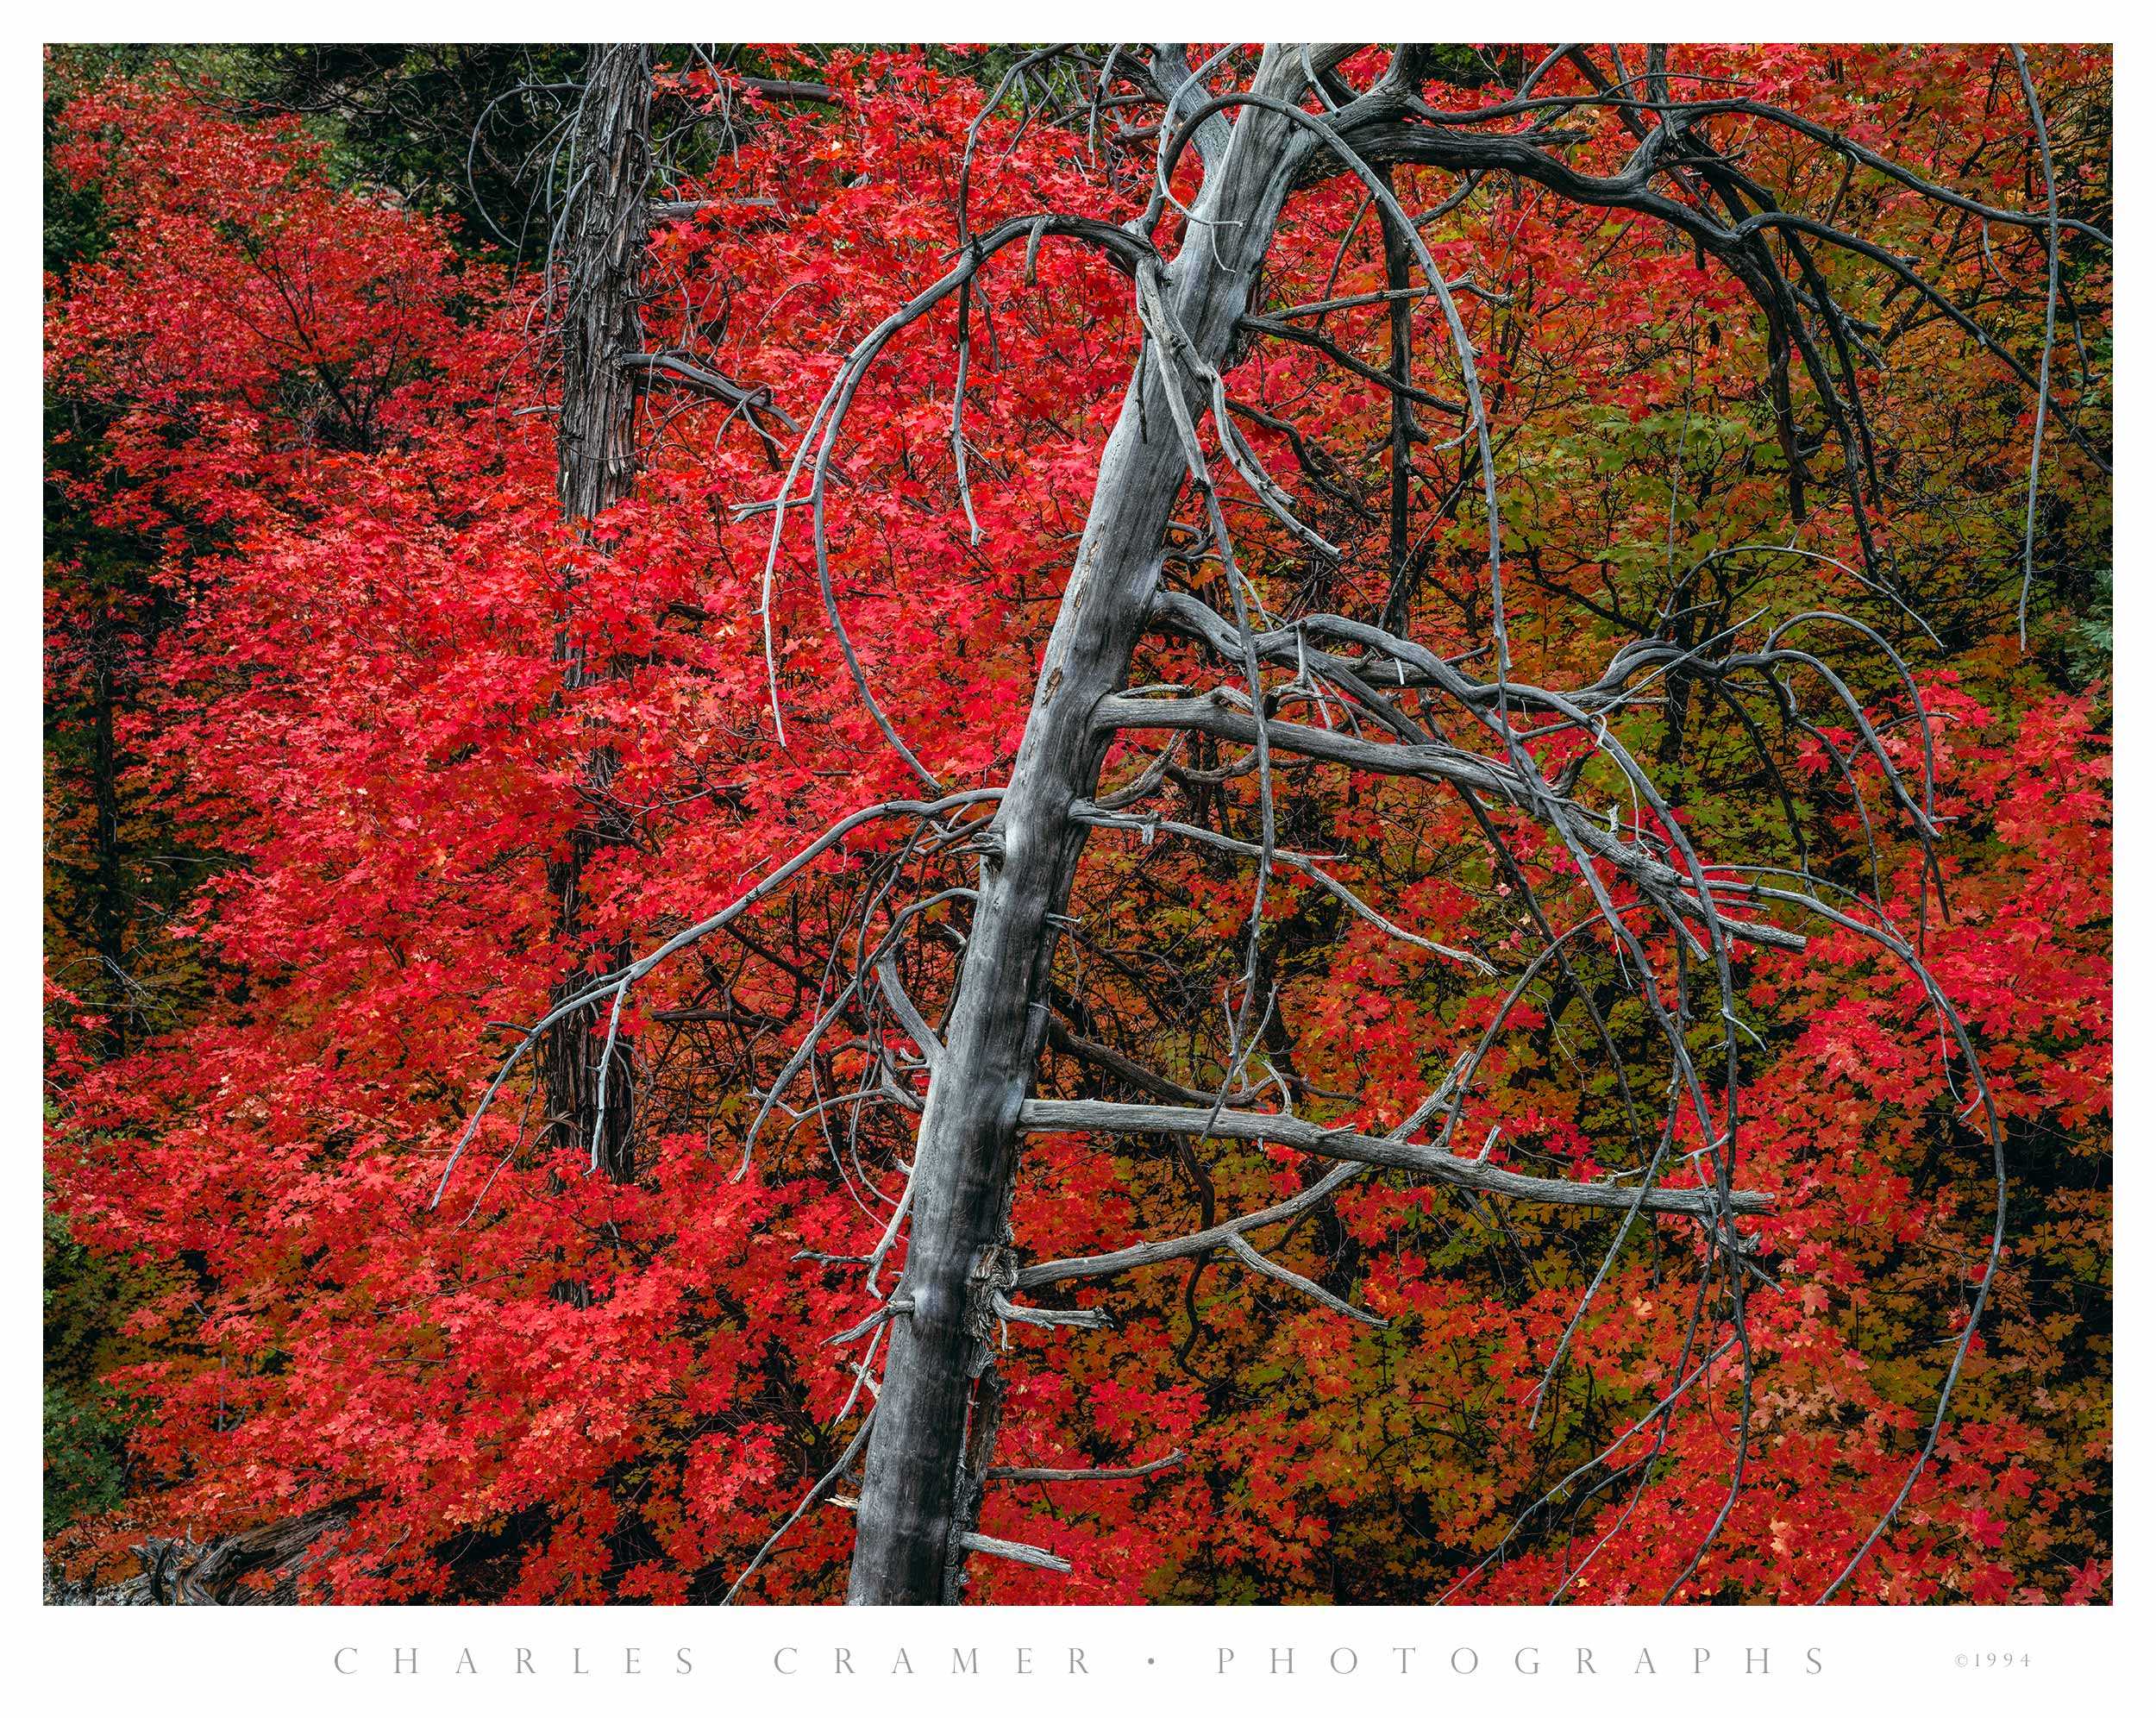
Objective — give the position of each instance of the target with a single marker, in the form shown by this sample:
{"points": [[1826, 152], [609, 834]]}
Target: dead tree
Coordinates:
{"points": [[258, 1565], [593, 295], [605, 225], [1261, 132]]}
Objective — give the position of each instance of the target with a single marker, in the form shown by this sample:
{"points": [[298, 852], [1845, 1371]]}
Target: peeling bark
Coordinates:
{"points": [[601, 330]]}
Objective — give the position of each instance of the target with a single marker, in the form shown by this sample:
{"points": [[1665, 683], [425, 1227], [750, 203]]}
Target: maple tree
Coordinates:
{"points": [[1485, 867]]}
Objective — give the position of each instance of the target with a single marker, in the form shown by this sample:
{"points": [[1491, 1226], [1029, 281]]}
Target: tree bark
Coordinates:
{"points": [[918, 1491], [601, 328]]}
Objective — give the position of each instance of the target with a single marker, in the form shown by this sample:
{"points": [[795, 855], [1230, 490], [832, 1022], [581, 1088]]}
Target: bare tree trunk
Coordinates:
{"points": [[922, 1483], [601, 328]]}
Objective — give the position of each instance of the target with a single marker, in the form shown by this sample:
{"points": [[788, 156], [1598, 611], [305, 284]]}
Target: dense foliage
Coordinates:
{"points": [[309, 752]]}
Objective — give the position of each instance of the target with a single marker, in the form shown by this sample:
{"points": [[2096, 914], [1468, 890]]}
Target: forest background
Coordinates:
{"points": [[310, 771]]}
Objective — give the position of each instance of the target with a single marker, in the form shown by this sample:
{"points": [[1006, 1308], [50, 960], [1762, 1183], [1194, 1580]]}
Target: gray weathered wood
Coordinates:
{"points": [[1087, 1116], [909, 1525]]}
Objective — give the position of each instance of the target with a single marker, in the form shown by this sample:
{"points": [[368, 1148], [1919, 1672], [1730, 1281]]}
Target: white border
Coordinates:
{"points": [[1759, 1661]]}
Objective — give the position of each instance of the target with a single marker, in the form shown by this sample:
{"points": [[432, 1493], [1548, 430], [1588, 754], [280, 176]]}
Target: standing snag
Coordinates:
{"points": [[605, 224]]}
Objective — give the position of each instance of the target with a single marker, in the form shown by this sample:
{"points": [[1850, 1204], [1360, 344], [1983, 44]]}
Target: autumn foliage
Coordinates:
{"points": [[309, 751]]}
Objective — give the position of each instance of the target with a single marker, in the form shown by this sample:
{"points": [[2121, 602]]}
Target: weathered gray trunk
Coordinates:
{"points": [[601, 327], [920, 1490]]}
